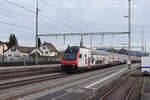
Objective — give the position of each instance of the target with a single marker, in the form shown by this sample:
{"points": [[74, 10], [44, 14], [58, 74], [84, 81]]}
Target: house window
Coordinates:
{"points": [[9, 55], [46, 52], [13, 49], [44, 47]]}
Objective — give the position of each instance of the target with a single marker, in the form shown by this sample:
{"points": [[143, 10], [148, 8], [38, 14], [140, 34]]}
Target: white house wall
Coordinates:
{"points": [[46, 51], [39, 52], [3, 46], [16, 53]]}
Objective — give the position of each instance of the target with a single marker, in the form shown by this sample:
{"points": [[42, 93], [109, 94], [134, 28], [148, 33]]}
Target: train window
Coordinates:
{"points": [[85, 55], [80, 56], [72, 50], [69, 56]]}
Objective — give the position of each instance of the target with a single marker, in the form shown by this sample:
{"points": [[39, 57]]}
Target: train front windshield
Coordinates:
{"points": [[70, 54]]}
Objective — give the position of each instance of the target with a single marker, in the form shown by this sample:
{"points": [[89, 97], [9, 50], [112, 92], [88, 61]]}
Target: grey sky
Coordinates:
{"points": [[96, 16]]}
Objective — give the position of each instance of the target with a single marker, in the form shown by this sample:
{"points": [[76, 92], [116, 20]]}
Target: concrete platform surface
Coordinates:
{"points": [[146, 89], [86, 88]]}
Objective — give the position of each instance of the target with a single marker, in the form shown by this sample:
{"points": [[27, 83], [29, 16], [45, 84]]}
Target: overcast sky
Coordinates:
{"points": [[74, 16]]}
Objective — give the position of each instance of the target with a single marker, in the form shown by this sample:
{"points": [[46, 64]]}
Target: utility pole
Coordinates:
{"points": [[129, 35], [145, 47], [102, 39], [91, 42], [142, 40], [36, 38], [3, 52], [64, 37]]}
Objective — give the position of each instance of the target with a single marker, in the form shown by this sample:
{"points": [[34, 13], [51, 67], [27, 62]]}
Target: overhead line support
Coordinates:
{"points": [[83, 34], [129, 35], [36, 38]]}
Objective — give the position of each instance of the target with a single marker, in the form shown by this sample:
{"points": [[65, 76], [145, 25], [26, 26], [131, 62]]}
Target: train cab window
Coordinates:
{"points": [[70, 53], [80, 56]]}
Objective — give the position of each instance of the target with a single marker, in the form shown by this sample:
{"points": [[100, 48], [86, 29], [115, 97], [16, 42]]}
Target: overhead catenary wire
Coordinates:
{"points": [[17, 5], [20, 16], [15, 25], [13, 15], [63, 12], [19, 26], [31, 11], [60, 22]]}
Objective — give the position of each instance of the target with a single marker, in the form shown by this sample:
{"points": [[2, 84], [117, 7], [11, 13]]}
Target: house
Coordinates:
{"points": [[32, 53], [18, 51], [3, 47], [48, 49]]}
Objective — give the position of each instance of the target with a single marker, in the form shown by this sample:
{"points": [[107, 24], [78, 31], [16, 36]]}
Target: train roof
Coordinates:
{"points": [[94, 51], [97, 52]]}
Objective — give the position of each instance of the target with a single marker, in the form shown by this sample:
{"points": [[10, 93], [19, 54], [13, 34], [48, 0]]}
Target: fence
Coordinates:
{"points": [[19, 61], [27, 59]]}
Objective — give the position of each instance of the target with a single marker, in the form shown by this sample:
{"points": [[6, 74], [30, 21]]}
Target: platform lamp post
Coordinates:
{"points": [[36, 38]]}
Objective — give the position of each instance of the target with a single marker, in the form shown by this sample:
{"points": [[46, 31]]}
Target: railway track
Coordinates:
{"points": [[26, 73], [127, 95], [29, 72], [131, 90], [42, 79], [58, 85], [29, 81], [9, 71]]}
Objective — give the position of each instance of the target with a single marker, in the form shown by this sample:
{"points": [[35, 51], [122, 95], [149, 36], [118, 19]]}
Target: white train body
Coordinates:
{"points": [[76, 58], [145, 65]]}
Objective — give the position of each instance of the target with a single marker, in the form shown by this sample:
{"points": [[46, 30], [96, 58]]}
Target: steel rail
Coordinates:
{"points": [[58, 85], [117, 86], [26, 74], [131, 90], [25, 70], [29, 81]]}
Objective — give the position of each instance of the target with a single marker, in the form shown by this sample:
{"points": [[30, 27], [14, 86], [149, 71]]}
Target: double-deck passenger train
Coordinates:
{"points": [[76, 58]]}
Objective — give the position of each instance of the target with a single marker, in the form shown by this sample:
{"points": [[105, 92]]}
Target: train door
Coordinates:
{"points": [[89, 62], [81, 60], [103, 61]]}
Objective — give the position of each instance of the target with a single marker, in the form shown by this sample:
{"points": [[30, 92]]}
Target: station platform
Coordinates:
{"points": [[28, 67], [146, 89], [88, 89]]}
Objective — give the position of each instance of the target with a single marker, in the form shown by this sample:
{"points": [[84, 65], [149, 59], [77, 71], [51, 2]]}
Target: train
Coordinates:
{"points": [[145, 65], [78, 59]]}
